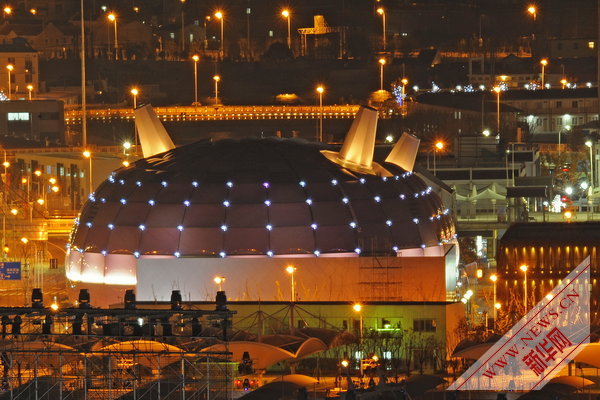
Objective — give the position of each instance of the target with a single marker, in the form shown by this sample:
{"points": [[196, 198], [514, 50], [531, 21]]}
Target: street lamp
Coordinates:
{"points": [[498, 90], [590, 144], [219, 15], [524, 269], [286, 14], [381, 12], [358, 309], [134, 92], [216, 78], [9, 68], [439, 145], [381, 64], [196, 58], [320, 90], [219, 281], [494, 279], [182, 27], [291, 270], [88, 154], [7, 11], [30, 89], [543, 62], [532, 10], [113, 18]]}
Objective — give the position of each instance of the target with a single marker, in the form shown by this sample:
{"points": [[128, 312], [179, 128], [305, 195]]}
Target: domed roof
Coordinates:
{"points": [[257, 197]]}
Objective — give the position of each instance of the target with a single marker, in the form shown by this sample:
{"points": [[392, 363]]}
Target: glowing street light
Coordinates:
{"points": [[88, 154], [494, 279], [219, 15], [543, 62], [216, 78], [30, 90], [219, 281], [287, 15], [291, 270], [134, 92], [320, 91], [590, 145], [438, 146], [532, 10], [195, 58], [381, 65], [358, 309], [7, 11], [498, 90], [9, 68], [113, 18], [381, 11], [524, 269]]}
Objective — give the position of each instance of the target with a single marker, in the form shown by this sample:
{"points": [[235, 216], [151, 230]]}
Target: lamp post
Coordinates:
{"points": [[524, 269], [88, 154], [543, 62], [216, 78], [9, 68], [134, 92], [532, 10], [381, 65], [498, 90], [590, 145], [219, 15], [358, 309], [290, 269], [7, 11], [219, 281], [30, 89], [196, 58], [182, 27], [439, 145], [286, 14], [113, 18], [494, 278], [381, 12], [320, 91]]}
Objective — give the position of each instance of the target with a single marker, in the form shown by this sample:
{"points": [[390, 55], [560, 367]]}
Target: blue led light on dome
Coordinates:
{"points": [[384, 178], [423, 246], [395, 248], [151, 202], [402, 197], [428, 189], [103, 200], [91, 197], [439, 216], [136, 254], [446, 211], [80, 250], [267, 203], [110, 226], [177, 254], [229, 184], [103, 252], [226, 203], [377, 199], [416, 195], [314, 226], [345, 200], [123, 201], [308, 201], [266, 185], [362, 180], [88, 224], [195, 184], [431, 218], [388, 222], [416, 220], [334, 182], [269, 253], [186, 203], [317, 253], [121, 181], [164, 183], [179, 228], [142, 227], [224, 228], [352, 224], [302, 183], [222, 254], [138, 183], [111, 179], [269, 227], [357, 250]]}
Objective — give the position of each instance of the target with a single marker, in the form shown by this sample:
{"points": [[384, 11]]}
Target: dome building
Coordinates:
{"points": [[353, 227]]}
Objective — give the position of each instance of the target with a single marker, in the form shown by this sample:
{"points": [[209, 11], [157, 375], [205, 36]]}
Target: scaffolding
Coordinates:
{"points": [[89, 354]]}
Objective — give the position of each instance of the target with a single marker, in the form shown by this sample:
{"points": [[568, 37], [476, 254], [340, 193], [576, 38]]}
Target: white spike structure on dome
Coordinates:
{"points": [[404, 152], [153, 135], [357, 151]]}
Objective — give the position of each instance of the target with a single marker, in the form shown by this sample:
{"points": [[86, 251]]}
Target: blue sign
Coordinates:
{"points": [[10, 271]]}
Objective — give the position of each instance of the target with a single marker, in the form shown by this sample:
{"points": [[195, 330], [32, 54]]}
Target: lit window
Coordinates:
{"points": [[14, 116], [591, 45]]}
